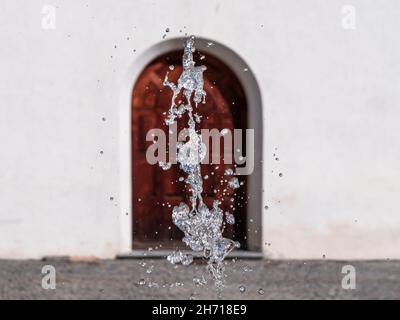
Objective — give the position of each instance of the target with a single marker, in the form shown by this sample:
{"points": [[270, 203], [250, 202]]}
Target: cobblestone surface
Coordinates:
{"points": [[158, 279]]}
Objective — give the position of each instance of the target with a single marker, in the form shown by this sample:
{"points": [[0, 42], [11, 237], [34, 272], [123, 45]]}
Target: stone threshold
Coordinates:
{"points": [[161, 254]]}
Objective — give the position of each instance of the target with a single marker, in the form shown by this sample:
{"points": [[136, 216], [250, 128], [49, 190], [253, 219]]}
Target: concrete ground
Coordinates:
{"points": [[158, 279]]}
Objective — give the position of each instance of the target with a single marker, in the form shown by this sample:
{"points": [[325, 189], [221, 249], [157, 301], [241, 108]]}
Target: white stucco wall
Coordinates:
{"points": [[330, 108]]}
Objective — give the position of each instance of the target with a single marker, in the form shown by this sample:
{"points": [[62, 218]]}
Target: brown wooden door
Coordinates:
{"points": [[155, 191]]}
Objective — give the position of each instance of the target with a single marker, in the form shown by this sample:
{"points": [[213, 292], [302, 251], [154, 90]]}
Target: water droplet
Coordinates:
{"points": [[179, 257], [245, 69], [230, 218], [150, 270], [153, 284], [266, 207], [142, 282], [242, 289], [247, 269], [199, 281], [261, 291], [171, 67], [165, 165], [167, 30], [234, 183], [224, 132], [281, 174]]}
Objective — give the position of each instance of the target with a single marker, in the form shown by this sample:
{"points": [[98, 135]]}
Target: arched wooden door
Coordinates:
{"points": [[155, 191]]}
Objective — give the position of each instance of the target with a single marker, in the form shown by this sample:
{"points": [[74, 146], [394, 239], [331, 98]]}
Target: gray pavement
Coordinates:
{"points": [[158, 279]]}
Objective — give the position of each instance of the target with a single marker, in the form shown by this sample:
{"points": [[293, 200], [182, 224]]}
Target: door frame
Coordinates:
{"points": [[255, 121]]}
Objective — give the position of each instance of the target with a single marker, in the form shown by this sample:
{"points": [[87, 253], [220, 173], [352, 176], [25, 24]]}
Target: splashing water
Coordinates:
{"points": [[202, 226]]}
